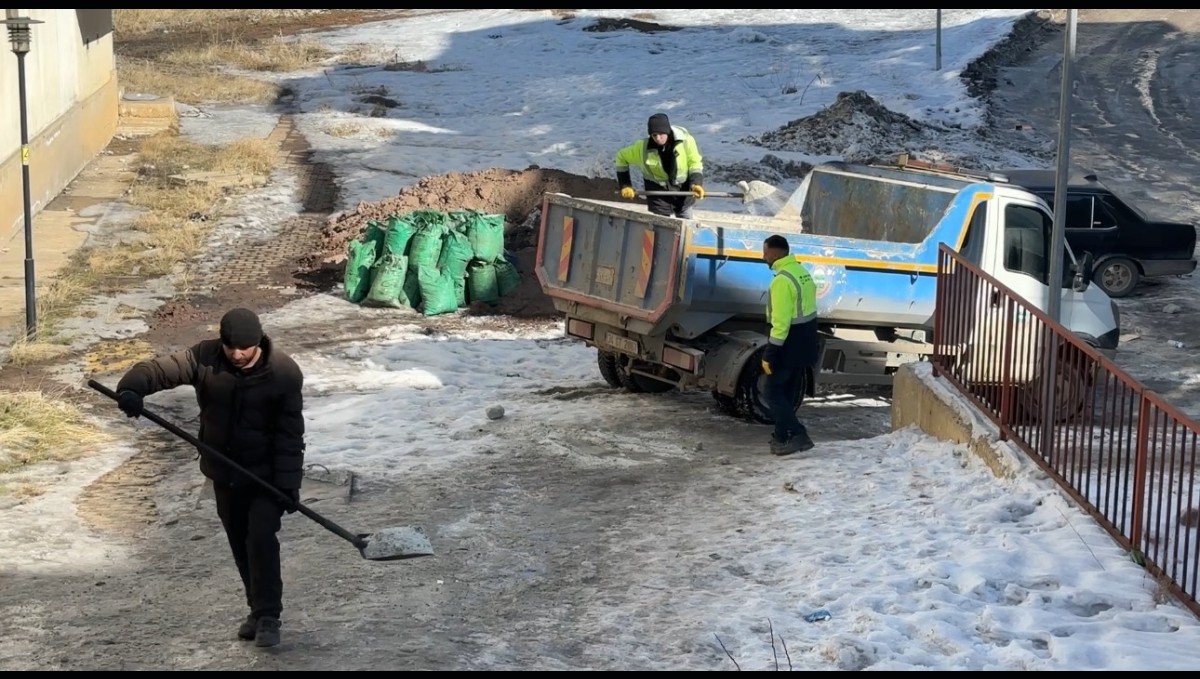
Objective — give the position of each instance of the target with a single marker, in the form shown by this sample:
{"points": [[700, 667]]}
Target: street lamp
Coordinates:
{"points": [[20, 35]]}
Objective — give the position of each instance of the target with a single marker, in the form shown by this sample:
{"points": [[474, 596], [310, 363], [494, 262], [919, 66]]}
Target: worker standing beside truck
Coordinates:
{"points": [[670, 160], [793, 344]]}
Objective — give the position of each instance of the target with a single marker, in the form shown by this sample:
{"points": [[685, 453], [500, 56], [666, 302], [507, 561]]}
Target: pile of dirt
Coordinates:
{"points": [[517, 194], [856, 127], [859, 129]]}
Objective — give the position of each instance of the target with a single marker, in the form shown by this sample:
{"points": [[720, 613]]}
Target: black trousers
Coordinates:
{"points": [[251, 519], [782, 391], [670, 206]]}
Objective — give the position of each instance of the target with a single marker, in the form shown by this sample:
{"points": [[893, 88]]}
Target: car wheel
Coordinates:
{"points": [[1117, 277]]}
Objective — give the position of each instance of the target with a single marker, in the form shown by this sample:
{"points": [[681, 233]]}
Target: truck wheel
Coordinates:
{"points": [[1074, 390], [1117, 277], [607, 362], [726, 404], [751, 396]]}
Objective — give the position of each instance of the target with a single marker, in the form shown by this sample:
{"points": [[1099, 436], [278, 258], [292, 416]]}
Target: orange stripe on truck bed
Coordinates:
{"points": [[647, 262], [564, 255]]}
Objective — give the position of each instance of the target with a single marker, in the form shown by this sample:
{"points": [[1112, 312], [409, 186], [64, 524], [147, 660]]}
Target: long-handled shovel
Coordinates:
{"points": [[707, 194], [389, 544]]}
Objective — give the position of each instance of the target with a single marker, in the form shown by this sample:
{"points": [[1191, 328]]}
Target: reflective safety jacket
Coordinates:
{"points": [[689, 164], [791, 301]]}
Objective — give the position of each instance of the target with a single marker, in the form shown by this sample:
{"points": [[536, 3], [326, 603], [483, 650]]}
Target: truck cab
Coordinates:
{"points": [[1126, 245]]}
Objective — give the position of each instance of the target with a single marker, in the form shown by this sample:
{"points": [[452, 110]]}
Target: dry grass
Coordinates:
{"points": [[165, 155], [26, 351], [36, 427], [194, 68], [129, 23], [193, 86], [21, 490], [278, 55]]}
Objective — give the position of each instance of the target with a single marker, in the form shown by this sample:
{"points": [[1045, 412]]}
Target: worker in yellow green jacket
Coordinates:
{"points": [[793, 345], [669, 160]]}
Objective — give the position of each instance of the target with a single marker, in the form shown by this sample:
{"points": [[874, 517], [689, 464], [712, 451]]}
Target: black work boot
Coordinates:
{"points": [[248, 628], [267, 632], [796, 444]]}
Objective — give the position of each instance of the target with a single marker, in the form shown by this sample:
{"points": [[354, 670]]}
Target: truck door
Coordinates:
{"points": [[1021, 260], [1019, 257]]}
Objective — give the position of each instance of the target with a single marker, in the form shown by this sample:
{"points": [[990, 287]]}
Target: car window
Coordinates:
{"points": [[1122, 209], [1103, 217], [1080, 211]]}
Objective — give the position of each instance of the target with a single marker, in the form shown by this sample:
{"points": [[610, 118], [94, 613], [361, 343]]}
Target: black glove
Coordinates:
{"points": [[294, 495], [130, 402]]}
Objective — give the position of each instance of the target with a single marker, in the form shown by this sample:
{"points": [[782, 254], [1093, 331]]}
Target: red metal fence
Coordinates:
{"points": [[1127, 456]]}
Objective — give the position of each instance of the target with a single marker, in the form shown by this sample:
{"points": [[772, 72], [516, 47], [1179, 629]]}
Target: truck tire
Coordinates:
{"points": [[1117, 277], [1075, 389], [726, 404], [751, 399], [607, 363]]}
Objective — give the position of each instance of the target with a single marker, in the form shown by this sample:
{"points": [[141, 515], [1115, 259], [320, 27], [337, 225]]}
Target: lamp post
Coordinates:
{"points": [[20, 35]]}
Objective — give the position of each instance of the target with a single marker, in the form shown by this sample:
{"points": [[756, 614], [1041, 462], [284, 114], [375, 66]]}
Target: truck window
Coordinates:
{"points": [[972, 247], [1026, 241]]}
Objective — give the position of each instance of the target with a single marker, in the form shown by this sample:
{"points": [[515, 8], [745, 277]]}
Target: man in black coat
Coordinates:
{"points": [[249, 393]]}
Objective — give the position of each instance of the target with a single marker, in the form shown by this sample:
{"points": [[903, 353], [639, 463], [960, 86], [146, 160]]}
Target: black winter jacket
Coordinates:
{"points": [[255, 418]]}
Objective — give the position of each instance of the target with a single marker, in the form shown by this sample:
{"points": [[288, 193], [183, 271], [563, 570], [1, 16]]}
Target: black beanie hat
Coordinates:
{"points": [[240, 329], [658, 124]]}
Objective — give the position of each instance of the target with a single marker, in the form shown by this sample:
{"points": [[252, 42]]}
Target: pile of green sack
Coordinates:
{"points": [[433, 261]]}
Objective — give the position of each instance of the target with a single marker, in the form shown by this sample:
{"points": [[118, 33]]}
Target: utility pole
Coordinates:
{"points": [[937, 50], [1058, 233]]}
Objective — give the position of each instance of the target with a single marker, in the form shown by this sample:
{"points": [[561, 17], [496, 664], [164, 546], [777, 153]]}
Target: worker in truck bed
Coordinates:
{"points": [[793, 345], [670, 160]]}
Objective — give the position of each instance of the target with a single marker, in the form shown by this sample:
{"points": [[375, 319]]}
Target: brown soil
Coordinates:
{"points": [[517, 194]]}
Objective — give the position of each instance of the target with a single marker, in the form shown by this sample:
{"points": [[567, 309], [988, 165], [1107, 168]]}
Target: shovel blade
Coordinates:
{"points": [[391, 544]]}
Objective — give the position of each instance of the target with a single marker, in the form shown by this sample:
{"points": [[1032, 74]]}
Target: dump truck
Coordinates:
{"points": [[679, 303]]}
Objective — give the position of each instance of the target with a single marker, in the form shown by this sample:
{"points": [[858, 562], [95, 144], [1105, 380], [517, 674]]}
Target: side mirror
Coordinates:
{"points": [[1083, 273]]}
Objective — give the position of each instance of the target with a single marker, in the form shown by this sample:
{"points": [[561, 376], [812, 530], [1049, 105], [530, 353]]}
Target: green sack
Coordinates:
{"points": [[375, 233], [425, 219], [410, 295], [426, 246], [508, 278], [437, 292], [482, 285], [460, 291], [360, 256], [486, 235], [387, 282], [456, 254], [399, 233]]}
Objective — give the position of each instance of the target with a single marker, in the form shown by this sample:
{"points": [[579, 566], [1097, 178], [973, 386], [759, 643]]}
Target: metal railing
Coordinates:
{"points": [[1123, 453]]}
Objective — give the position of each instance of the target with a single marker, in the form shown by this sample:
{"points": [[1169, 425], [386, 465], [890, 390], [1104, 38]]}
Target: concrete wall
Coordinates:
{"points": [[72, 98], [930, 404]]}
